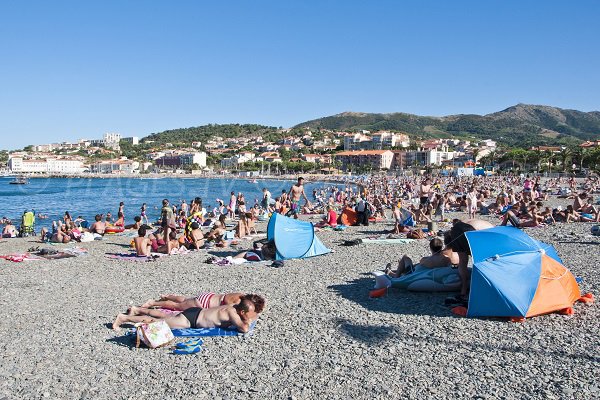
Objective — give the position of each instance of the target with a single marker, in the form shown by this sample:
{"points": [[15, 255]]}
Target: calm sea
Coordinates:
{"points": [[90, 196]]}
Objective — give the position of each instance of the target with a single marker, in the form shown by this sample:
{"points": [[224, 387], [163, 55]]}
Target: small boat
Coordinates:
{"points": [[21, 180]]}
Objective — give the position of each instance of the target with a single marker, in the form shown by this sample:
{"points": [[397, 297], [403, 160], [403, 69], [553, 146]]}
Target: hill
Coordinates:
{"points": [[207, 132], [522, 125]]}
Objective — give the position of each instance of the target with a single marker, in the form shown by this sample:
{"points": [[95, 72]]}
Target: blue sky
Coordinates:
{"points": [[75, 69]]}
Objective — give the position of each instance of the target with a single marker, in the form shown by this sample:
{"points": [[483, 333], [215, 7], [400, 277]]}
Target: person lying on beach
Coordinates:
{"points": [[99, 226], [239, 316], [182, 303], [142, 244], [439, 257]]}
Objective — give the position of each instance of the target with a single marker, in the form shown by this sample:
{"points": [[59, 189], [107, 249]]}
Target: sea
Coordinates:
{"points": [[87, 197]]}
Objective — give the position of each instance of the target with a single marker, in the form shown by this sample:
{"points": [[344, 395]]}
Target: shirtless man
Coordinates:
{"points": [[239, 315], [182, 303], [143, 245], [457, 242], [296, 192], [424, 190], [98, 226]]}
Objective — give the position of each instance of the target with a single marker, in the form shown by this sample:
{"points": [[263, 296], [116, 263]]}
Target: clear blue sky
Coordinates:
{"points": [[75, 69]]}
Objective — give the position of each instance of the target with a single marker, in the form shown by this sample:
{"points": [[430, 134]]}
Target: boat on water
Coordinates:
{"points": [[20, 180]]}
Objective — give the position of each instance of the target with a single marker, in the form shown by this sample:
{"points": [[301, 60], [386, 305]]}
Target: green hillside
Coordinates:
{"points": [[185, 136], [522, 125]]}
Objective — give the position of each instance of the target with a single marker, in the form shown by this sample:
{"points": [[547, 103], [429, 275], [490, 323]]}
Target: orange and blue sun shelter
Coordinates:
{"points": [[515, 275]]}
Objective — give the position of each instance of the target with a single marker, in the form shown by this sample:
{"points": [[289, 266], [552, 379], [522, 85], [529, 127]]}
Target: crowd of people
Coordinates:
{"points": [[408, 202]]}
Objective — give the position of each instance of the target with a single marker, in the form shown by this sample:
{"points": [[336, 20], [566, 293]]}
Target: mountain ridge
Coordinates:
{"points": [[517, 124]]}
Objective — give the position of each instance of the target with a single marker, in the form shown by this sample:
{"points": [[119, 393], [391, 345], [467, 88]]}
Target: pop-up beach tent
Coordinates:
{"points": [[294, 238], [515, 275]]}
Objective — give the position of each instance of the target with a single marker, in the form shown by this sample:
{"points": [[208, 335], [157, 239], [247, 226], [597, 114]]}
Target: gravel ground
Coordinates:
{"points": [[320, 335]]}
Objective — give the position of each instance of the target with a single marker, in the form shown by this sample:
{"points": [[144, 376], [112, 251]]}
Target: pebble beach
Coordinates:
{"points": [[320, 336]]}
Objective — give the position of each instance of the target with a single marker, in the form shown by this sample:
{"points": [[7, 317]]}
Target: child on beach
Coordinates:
{"points": [[142, 244]]}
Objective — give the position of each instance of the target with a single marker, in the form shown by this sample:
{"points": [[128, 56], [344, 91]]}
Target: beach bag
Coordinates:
{"points": [[154, 335], [596, 230], [416, 234]]}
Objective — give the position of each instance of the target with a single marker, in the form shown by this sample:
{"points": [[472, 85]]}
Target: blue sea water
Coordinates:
{"points": [[90, 196]]}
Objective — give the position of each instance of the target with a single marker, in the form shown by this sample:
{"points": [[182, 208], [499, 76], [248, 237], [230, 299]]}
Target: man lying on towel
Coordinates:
{"points": [[239, 316]]}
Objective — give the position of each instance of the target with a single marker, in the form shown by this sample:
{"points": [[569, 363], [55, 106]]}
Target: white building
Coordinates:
{"points": [[354, 141], [115, 166], [45, 165], [134, 140], [234, 161], [111, 140], [384, 139], [427, 157]]}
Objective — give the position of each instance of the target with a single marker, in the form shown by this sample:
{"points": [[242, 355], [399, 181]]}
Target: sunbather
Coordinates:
{"points": [[182, 303], [239, 315], [439, 257]]}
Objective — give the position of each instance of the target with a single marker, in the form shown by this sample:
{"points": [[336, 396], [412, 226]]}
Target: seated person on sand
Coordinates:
{"points": [[120, 222], [399, 218], [99, 226], [530, 219], [241, 230], [182, 303], [60, 236], [9, 231], [137, 224], [439, 257], [574, 216], [239, 316], [194, 238], [142, 244], [329, 220], [250, 224], [173, 243], [582, 204]]}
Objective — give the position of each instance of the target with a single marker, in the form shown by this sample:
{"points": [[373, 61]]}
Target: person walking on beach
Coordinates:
{"points": [[232, 205], [296, 192], [143, 215], [167, 221]]}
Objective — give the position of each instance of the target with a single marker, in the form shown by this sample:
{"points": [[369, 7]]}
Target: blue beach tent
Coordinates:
{"points": [[294, 238]]}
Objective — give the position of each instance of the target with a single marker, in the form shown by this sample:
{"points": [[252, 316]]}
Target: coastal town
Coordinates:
{"points": [[318, 152]]}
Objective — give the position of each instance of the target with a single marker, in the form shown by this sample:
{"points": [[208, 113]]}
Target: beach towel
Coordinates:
{"points": [[387, 241], [21, 257], [131, 257], [205, 332]]}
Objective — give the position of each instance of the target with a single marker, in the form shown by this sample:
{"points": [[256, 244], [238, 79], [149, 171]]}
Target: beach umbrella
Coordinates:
{"points": [[515, 275]]}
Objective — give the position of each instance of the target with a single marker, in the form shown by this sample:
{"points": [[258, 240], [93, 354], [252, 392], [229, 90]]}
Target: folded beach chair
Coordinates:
{"points": [[27, 224]]}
